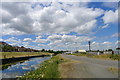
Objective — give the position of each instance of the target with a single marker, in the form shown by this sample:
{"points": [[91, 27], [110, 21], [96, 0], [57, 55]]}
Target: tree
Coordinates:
{"points": [[43, 50], [110, 50]]}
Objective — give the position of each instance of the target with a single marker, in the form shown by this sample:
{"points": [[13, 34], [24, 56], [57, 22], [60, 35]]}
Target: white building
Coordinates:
{"points": [[68, 52], [80, 51], [107, 52]]}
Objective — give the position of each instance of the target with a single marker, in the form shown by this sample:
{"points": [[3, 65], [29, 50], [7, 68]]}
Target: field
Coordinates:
{"points": [[20, 54]]}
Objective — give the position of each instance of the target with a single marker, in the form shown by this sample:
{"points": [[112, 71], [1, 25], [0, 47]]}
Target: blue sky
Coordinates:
{"points": [[60, 25]]}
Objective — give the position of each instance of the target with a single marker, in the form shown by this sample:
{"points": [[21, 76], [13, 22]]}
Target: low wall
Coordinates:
{"points": [[10, 60]]}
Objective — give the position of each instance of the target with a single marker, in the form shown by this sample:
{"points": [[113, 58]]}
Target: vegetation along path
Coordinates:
{"points": [[85, 67]]}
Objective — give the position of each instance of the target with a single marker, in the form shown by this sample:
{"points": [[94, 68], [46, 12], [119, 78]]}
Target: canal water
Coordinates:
{"points": [[20, 69]]}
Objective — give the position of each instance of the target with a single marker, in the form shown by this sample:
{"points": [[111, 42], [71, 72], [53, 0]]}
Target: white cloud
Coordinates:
{"points": [[14, 44], [5, 16], [14, 18], [17, 42], [106, 43], [1, 39], [55, 37], [116, 35], [87, 27], [27, 39], [67, 42], [60, 21], [63, 42], [68, 38], [56, 18], [20, 18], [41, 45], [105, 26], [103, 45], [4, 30], [13, 39], [110, 17], [39, 40]]}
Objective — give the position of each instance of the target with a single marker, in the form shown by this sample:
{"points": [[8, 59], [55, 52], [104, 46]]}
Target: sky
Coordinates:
{"points": [[60, 25]]}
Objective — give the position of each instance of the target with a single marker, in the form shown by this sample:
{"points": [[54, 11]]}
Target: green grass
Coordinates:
{"points": [[20, 54], [79, 54], [48, 69]]}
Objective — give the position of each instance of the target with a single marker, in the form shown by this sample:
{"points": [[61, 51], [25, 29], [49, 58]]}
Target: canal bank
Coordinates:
{"points": [[49, 69], [10, 61]]}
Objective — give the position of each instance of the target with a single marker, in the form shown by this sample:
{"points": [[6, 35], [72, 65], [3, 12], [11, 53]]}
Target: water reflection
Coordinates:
{"points": [[20, 69]]}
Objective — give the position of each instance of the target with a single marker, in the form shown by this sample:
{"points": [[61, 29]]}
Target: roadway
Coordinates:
{"points": [[92, 67]]}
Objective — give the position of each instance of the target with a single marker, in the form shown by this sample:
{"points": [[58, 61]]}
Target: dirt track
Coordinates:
{"points": [[90, 68]]}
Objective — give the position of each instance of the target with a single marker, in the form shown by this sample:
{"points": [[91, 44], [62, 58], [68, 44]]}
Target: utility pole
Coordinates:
{"points": [[89, 45]]}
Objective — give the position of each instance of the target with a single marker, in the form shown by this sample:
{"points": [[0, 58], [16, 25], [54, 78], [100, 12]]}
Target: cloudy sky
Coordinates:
{"points": [[60, 25]]}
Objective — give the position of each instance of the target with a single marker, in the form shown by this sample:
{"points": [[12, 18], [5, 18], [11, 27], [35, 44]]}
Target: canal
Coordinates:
{"points": [[20, 69]]}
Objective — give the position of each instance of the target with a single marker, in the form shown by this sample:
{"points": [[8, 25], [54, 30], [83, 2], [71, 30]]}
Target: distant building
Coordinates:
{"points": [[68, 52], [80, 51], [107, 52], [97, 53]]}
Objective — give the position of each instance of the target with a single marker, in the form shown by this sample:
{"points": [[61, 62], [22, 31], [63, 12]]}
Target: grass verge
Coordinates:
{"points": [[102, 56], [113, 70], [48, 69], [105, 56]]}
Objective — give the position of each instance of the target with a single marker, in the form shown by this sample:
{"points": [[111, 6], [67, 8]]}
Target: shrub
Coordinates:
{"points": [[83, 53], [114, 57]]}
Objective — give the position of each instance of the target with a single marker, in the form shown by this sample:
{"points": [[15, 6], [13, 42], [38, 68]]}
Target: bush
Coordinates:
{"points": [[114, 57], [83, 53]]}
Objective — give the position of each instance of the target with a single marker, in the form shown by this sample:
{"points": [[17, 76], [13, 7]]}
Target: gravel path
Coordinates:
{"points": [[91, 67]]}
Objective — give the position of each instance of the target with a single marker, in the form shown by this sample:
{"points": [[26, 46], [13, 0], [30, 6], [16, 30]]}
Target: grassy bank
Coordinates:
{"points": [[48, 69], [102, 56], [105, 56], [20, 54]]}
